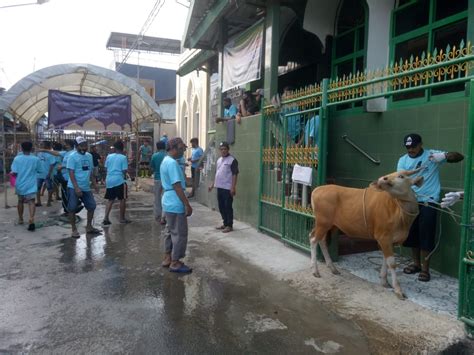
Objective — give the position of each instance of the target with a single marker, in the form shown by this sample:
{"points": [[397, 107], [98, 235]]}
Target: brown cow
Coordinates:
{"points": [[384, 211]]}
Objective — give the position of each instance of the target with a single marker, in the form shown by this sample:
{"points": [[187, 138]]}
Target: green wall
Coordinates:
{"points": [[246, 150], [442, 125]]}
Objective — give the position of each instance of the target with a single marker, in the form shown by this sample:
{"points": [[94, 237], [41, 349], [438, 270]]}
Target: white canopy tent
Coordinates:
{"points": [[27, 100]]}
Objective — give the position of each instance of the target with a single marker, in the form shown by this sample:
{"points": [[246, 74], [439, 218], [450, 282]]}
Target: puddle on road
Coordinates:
{"points": [[223, 305]]}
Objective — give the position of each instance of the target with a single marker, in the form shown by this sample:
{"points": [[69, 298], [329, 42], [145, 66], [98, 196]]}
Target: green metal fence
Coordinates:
{"points": [[285, 210]]}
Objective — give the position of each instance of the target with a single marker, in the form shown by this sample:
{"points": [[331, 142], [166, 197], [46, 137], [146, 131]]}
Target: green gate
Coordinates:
{"points": [[284, 206]]}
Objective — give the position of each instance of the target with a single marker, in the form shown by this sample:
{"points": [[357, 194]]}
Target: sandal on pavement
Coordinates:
{"points": [[106, 222], [424, 276], [227, 230], [220, 227], [125, 221], [411, 269], [75, 235], [31, 227], [183, 269], [93, 231]]}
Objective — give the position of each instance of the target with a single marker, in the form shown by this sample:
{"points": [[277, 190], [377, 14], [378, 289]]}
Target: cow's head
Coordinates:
{"points": [[398, 184]]}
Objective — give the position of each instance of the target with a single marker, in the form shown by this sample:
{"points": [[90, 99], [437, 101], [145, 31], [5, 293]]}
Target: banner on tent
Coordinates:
{"points": [[243, 58], [68, 111]]}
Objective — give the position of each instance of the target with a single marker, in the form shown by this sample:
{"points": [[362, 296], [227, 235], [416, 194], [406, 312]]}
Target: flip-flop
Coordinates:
{"points": [[94, 231], [411, 269], [75, 235], [424, 276], [183, 269]]}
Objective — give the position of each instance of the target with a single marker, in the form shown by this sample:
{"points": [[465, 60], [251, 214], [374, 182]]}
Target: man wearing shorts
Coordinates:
{"points": [[116, 188], [145, 156], [47, 161], [421, 237], [79, 165], [25, 167]]}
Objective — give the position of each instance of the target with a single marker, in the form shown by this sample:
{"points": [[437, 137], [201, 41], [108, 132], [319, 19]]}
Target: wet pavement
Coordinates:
{"points": [[109, 294]]}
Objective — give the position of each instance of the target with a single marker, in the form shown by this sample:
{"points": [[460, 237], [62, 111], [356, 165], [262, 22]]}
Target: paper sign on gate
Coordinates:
{"points": [[302, 175]]}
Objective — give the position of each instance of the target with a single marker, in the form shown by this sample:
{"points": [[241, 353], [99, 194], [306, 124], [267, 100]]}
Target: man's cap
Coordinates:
{"points": [[412, 140], [80, 140], [224, 144], [258, 92], [174, 142]]}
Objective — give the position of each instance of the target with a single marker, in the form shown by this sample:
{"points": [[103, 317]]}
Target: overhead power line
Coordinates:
{"points": [[149, 21]]}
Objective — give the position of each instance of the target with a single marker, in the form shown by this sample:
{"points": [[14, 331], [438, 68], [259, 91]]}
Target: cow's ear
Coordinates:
{"points": [[418, 181]]}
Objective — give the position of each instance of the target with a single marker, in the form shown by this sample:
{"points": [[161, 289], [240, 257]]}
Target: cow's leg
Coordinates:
{"points": [[383, 274], [324, 248], [314, 262], [396, 286], [387, 250]]}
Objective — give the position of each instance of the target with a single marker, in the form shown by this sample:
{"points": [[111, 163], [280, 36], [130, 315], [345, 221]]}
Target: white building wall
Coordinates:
{"points": [[192, 104]]}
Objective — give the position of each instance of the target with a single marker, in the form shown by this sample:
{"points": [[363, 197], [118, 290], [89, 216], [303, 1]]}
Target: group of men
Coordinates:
{"points": [[72, 169], [171, 206]]}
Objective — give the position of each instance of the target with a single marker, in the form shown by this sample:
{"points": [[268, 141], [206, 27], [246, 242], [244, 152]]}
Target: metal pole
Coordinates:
{"points": [[137, 158], [4, 153], [466, 294]]}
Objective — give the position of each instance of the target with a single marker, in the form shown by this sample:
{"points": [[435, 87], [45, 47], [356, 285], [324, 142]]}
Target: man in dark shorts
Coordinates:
{"points": [[421, 237], [116, 188], [79, 166]]}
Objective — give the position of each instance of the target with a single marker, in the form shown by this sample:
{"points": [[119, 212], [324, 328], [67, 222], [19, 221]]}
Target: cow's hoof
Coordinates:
{"points": [[316, 274], [401, 296]]}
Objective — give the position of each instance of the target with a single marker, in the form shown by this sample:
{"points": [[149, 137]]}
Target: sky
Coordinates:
{"points": [[76, 31]]}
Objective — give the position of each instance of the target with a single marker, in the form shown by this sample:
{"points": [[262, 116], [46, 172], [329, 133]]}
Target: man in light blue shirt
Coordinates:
{"points": [[421, 237], [48, 161], [25, 167], [311, 132], [196, 154], [155, 165], [176, 207], [80, 166], [230, 111], [145, 156], [116, 188]]}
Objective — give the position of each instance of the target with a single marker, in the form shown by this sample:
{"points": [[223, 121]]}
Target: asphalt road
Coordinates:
{"points": [[109, 294]]}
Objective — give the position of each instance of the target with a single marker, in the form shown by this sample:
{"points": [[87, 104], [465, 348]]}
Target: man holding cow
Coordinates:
{"points": [[421, 237]]}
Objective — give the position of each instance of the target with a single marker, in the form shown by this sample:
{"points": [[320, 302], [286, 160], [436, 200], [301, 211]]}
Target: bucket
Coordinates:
{"points": [[12, 179]]}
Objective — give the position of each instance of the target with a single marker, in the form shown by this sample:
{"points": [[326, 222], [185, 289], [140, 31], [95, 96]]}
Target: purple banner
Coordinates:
{"points": [[89, 112]]}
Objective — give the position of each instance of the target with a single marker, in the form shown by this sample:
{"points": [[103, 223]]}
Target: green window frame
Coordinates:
{"points": [[352, 61], [433, 27]]}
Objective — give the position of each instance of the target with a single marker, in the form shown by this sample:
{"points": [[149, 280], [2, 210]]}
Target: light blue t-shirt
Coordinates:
{"points": [[145, 152], [26, 167], [155, 163], [171, 173], [311, 130], [82, 166], [59, 160], [294, 122], [115, 164], [196, 154], [431, 188], [182, 163], [46, 161], [231, 111], [64, 170]]}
